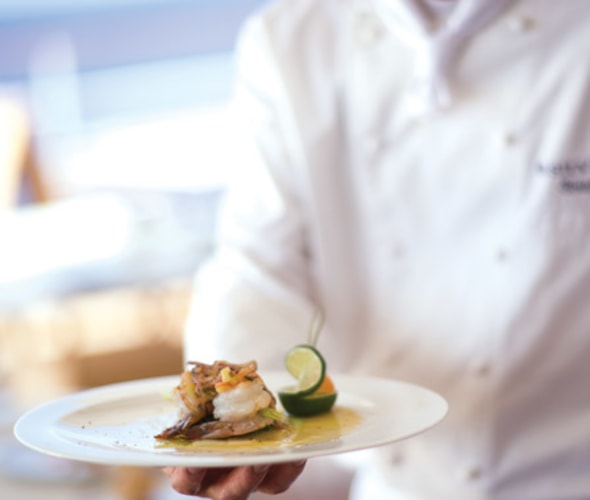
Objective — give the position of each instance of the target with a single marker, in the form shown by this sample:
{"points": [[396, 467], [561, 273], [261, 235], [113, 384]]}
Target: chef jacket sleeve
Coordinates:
{"points": [[253, 300]]}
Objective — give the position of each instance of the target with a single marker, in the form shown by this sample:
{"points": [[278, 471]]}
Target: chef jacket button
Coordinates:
{"points": [[437, 25], [373, 145], [368, 30], [481, 368], [521, 24], [501, 255], [509, 139], [397, 251], [471, 473], [396, 458]]}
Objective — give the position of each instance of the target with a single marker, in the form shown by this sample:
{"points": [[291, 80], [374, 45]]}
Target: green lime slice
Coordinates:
{"points": [[307, 365], [307, 406]]}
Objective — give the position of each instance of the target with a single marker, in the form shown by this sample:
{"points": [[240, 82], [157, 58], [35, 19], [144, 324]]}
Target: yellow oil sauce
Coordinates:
{"points": [[298, 432]]}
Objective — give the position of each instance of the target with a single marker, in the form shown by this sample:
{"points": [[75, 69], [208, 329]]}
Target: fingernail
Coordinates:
{"points": [[194, 472], [260, 468]]}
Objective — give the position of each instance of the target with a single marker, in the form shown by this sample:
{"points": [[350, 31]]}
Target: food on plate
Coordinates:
{"points": [[307, 365], [314, 391], [221, 400], [316, 403]]}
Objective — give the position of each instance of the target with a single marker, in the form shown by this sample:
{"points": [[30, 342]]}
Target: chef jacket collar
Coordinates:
{"points": [[436, 45]]}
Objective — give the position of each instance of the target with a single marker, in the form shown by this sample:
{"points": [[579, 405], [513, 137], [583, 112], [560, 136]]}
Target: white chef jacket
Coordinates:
{"points": [[430, 191]]}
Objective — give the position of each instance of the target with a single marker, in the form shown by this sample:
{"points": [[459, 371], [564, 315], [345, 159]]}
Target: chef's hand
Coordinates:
{"points": [[234, 483]]}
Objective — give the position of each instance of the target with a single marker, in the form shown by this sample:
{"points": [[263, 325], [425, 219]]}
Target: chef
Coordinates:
{"points": [[420, 171]]}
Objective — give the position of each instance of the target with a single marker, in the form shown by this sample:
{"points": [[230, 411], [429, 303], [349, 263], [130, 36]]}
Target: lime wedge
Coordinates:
{"points": [[307, 365], [307, 406]]}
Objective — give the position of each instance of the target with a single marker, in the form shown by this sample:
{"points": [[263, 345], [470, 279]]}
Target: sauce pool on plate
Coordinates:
{"points": [[299, 431]]}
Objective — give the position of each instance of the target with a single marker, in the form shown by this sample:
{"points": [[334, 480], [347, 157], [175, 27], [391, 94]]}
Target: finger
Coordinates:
{"points": [[280, 477], [233, 484], [186, 481]]}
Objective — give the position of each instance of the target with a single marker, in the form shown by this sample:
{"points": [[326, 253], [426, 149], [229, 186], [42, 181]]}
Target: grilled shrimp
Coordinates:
{"points": [[241, 402], [220, 400]]}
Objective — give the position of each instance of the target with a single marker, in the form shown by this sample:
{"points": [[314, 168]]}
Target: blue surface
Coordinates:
{"points": [[112, 33]]}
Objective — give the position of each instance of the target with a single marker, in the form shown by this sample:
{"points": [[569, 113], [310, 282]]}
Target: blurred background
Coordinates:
{"points": [[112, 119]]}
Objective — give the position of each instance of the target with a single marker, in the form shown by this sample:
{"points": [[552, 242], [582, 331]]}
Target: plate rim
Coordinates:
{"points": [[75, 401]]}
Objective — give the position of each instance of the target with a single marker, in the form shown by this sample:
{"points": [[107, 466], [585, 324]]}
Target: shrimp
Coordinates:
{"points": [[220, 400]]}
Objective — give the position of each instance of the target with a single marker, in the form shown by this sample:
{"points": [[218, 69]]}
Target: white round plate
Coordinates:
{"points": [[116, 424]]}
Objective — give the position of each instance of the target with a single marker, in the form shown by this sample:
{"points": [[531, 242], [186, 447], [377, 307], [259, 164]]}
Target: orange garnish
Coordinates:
{"points": [[327, 386]]}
